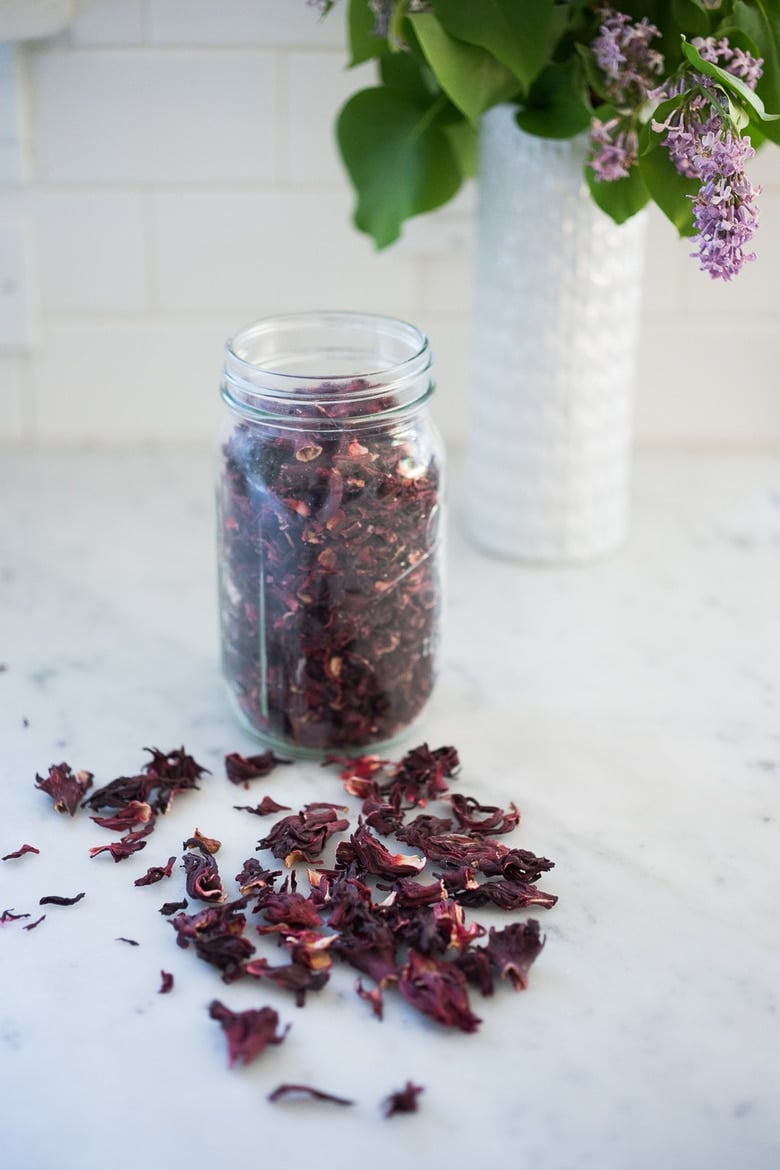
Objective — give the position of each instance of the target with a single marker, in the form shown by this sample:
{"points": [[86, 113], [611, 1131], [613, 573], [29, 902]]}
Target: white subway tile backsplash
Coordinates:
{"points": [[140, 116], [90, 248], [274, 250], [109, 22], [244, 22], [138, 382], [317, 87], [12, 406]]}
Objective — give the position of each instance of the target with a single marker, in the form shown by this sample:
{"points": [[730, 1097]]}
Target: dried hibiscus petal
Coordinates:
{"points": [[60, 900], [177, 765], [135, 812], [240, 769], [302, 836], [166, 983], [266, 806], [507, 895], [364, 853], [119, 850], [66, 789], [402, 1101], [293, 977], [156, 873], [248, 1032], [483, 818], [422, 774], [20, 852], [438, 989], [282, 1091], [217, 934], [32, 925], [169, 908]]}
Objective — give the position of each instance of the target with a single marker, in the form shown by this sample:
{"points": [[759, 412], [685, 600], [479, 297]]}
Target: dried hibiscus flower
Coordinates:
{"points": [[302, 836], [513, 950], [248, 1032], [119, 850], [66, 789], [438, 989], [166, 984], [203, 878], [217, 934]]}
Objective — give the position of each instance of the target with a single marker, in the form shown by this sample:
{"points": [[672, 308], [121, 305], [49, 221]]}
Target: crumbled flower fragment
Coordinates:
{"points": [[255, 876], [210, 844], [438, 989], [9, 916], [66, 789], [20, 852], [506, 895], [282, 1091], [133, 942], [372, 996], [248, 1032], [177, 765], [240, 769], [36, 922], [166, 984], [403, 1100], [156, 873], [169, 908]]}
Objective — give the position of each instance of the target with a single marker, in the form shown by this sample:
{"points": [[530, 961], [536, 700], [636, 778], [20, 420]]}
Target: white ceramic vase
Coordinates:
{"points": [[555, 336]]}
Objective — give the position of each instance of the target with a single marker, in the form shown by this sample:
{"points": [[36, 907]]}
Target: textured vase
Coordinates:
{"points": [[555, 335]]}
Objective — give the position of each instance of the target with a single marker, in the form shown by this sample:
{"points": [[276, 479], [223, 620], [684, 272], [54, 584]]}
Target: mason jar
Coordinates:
{"points": [[330, 530]]}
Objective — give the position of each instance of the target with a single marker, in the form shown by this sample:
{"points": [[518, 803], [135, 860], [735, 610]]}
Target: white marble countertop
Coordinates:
{"points": [[630, 708]]}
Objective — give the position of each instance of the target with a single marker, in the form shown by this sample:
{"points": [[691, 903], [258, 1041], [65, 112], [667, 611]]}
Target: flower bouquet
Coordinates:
{"points": [[675, 97]]}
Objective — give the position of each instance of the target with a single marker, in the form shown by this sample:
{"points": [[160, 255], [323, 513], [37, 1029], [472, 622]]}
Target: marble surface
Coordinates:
{"points": [[629, 707]]}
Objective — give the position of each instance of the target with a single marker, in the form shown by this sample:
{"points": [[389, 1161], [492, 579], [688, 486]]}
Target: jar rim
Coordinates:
{"points": [[321, 355]]}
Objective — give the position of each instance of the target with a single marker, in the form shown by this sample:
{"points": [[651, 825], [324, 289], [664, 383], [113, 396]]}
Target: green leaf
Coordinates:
{"points": [[558, 104], [363, 41], [729, 82], [464, 140], [470, 76], [409, 75], [521, 36], [620, 198], [667, 187], [760, 21], [400, 161]]}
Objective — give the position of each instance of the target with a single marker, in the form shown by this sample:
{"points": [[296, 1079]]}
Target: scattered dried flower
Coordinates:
{"points": [[248, 1032], [66, 789], [156, 873], [240, 769], [166, 984]]}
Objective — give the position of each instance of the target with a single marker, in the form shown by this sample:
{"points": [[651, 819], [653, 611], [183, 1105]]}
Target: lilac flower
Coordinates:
{"points": [[615, 148], [730, 57], [703, 145], [622, 51]]}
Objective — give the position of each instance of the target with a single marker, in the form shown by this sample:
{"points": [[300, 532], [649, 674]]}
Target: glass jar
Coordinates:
{"points": [[330, 530]]}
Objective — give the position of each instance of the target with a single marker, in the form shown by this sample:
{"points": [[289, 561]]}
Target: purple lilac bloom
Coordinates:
{"points": [[726, 219], [730, 57], [615, 149], [622, 51]]}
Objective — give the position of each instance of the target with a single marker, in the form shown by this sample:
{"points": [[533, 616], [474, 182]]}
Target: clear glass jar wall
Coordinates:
{"points": [[330, 530]]}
